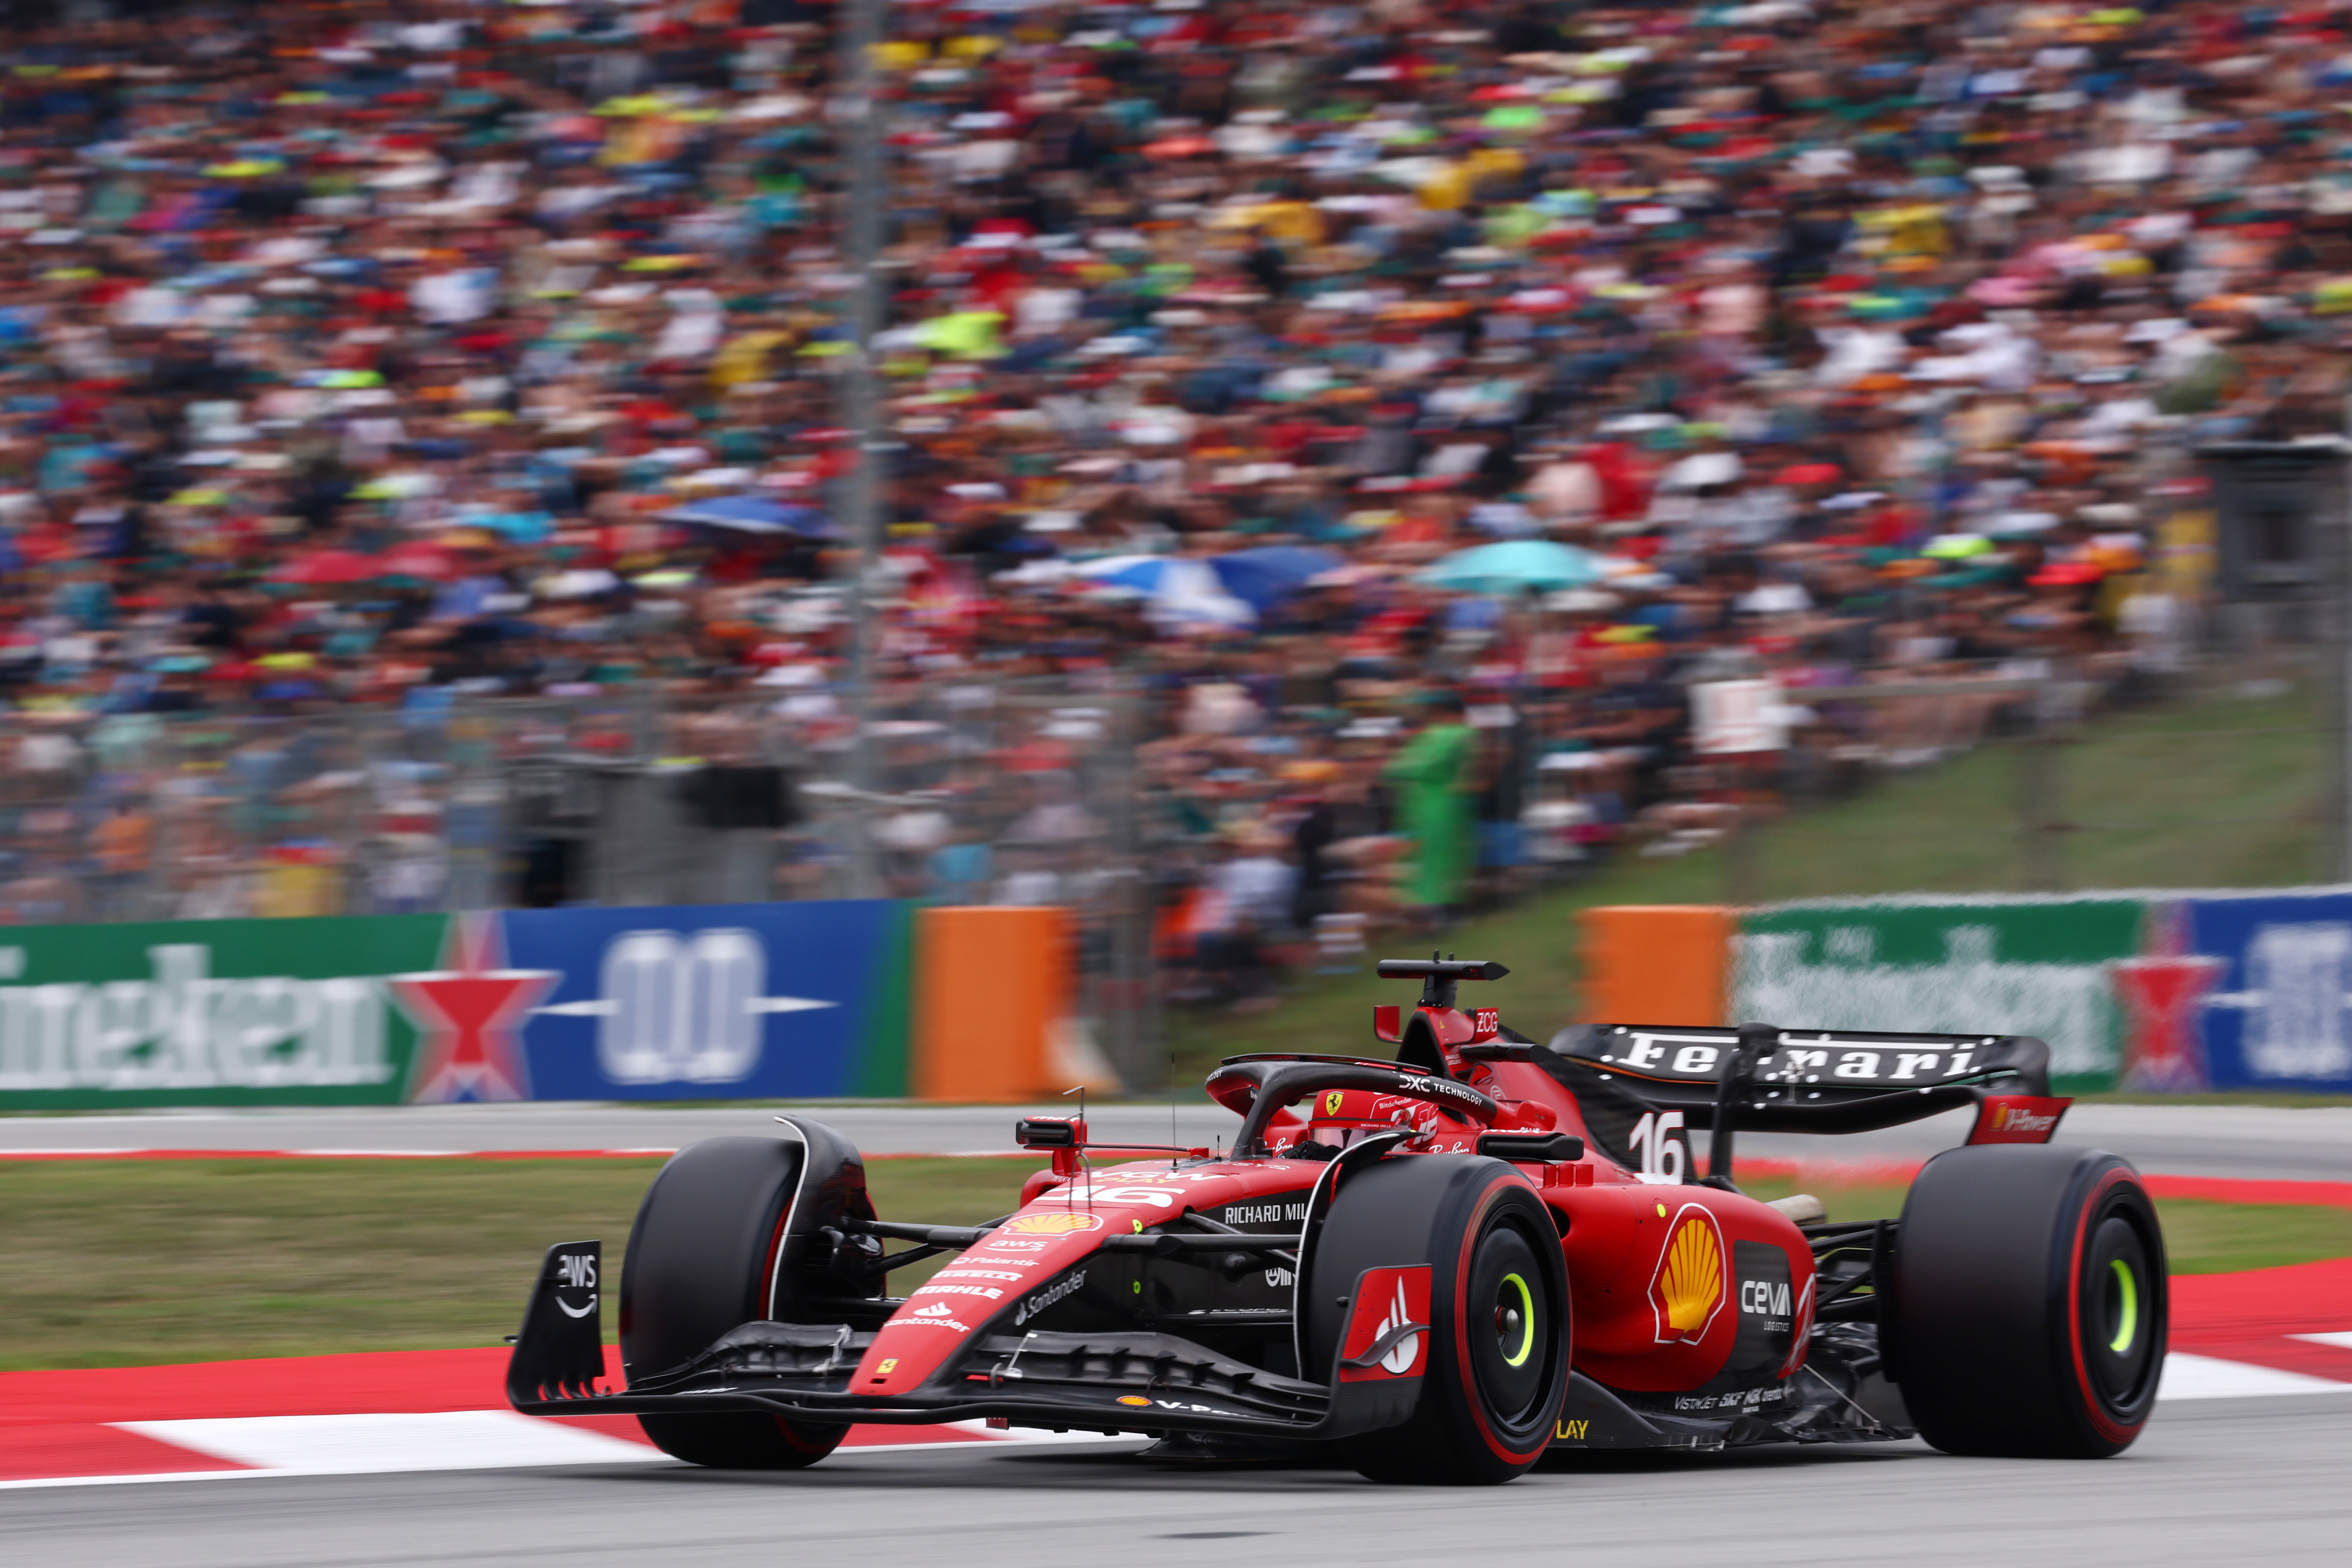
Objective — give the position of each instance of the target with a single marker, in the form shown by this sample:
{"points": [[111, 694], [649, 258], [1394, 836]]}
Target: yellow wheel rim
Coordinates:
{"points": [[2128, 1325], [1526, 1321]]}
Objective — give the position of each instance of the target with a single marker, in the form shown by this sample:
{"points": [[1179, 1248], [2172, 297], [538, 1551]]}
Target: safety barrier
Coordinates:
{"points": [[2166, 991], [712, 1002]]}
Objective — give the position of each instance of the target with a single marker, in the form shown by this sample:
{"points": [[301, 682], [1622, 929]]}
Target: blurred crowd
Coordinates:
{"points": [[1425, 446]]}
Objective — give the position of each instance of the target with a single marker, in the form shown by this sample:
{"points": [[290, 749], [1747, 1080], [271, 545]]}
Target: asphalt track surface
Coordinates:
{"points": [[2214, 1481], [2259, 1142]]}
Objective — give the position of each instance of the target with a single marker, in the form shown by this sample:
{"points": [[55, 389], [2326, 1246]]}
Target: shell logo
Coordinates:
{"points": [[1065, 1222], [1687, 1289]]}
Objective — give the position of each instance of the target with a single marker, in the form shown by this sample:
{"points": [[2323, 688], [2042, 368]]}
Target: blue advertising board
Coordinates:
{"points": [[2276, 978], [732, 1001]]}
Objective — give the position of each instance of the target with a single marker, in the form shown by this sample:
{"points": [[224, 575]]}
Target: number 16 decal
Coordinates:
{"points": [[1661, 1145]]}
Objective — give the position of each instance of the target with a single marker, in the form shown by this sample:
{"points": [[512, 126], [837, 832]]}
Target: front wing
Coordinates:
{"points": [[1122, 1381]]}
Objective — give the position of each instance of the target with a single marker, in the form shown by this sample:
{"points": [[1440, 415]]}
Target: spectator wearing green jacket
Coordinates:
{"points": [[1435, 775]]}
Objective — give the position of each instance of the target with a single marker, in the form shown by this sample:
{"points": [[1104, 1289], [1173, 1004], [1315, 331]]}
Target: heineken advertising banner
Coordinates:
{"points": [[2161, 991], [752, 1001], [2004, 967]]}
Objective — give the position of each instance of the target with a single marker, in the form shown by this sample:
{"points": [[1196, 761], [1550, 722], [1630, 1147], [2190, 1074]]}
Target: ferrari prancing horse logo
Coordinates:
{"points": [[1332, 1101]]}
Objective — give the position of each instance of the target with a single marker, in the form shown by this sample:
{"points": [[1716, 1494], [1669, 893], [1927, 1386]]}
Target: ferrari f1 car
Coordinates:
{"points": [[1441, 1265]]}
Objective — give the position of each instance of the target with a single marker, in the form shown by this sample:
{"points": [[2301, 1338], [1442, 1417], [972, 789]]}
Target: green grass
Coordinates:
{"points": [[2199, 1237], [2219, 791], [2222, 792], [127, 1263]]}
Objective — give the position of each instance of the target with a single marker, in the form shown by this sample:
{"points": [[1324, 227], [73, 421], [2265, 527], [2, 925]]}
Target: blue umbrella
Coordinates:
{"points": [[1177, 587], [1515, 566], [1260, 577], [749, 513]]}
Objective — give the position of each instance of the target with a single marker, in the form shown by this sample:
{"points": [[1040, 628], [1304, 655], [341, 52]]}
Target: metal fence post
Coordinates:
{"points": [[2038, 803], [2337, 573]]}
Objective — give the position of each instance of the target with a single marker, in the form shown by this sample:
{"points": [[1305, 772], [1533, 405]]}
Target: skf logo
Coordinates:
{"points": [[1333, 1101], [1764, 1297], [1688, 1288], [1570, 1431]]}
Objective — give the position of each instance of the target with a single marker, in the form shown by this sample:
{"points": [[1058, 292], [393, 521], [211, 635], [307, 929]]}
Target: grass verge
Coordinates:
{"points": [[131, 1263], [2222, 791]]}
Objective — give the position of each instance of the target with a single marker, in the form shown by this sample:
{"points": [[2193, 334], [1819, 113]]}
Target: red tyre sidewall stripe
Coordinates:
{"points": [[2093, 1405], [800, 1443], [1483, 1205]]}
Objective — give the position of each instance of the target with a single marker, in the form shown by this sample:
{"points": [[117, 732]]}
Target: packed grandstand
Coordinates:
{"points": [[1366, 423]]}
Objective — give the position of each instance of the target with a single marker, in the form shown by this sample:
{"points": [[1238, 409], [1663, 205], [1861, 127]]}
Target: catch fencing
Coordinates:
{"points": [[1017, 792]]}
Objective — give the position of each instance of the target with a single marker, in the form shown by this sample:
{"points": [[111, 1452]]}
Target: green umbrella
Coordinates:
{"points": [[1514, 566]]}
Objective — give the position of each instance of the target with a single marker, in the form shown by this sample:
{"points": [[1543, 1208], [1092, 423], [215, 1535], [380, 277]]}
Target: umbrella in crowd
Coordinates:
{"points": [[1261, 577], [1178, 588], [749, 513], [1518, 565]]}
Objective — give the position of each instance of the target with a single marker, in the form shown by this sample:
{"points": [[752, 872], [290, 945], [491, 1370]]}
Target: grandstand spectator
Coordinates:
{"points": [[366, 364]]}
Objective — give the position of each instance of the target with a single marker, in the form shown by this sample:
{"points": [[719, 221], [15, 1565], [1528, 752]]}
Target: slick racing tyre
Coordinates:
{"points": [[2030, 1305], [702, 1256], [1496, 1367]]}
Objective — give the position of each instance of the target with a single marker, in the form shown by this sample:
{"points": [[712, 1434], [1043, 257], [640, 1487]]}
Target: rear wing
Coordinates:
{"points": [[1806, 1080]]}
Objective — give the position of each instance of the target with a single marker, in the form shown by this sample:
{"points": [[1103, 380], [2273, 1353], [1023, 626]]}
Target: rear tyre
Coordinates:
{"points": [[1499, 1334], [2030, 1308], [702, 1259]]}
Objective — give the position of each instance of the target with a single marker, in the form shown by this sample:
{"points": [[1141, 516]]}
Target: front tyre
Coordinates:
{"points": [[2030, 1306], [1499, 1331], [702, 1260]]}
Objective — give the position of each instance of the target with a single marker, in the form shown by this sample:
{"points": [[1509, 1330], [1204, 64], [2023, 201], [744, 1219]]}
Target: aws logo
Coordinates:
{"points": [[1688, 1288]]}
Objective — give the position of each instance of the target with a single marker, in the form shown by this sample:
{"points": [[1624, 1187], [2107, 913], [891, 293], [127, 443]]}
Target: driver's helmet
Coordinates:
{"points": [[1339, 1116]]}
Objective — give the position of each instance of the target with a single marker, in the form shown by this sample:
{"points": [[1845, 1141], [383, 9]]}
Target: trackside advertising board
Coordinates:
{"points": [[2145, 990], [2009, 967], [752, 1001], [2255, 996]]}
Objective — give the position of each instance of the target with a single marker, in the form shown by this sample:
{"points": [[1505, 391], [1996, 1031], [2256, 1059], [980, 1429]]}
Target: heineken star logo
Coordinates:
{"points": [[467, 1014]]}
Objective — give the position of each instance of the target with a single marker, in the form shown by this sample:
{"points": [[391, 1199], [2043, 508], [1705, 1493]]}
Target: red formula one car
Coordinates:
{"points": [[1448, 1263]]}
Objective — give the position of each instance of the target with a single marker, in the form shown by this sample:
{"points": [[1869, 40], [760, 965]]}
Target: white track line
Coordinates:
{"points": [[371, 1444], [448, 1440], [2210, 1377], [503, 1439]]}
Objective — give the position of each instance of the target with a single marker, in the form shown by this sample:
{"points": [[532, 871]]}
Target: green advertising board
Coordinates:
{"points": [[187, 1013], [1958, 966]]}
